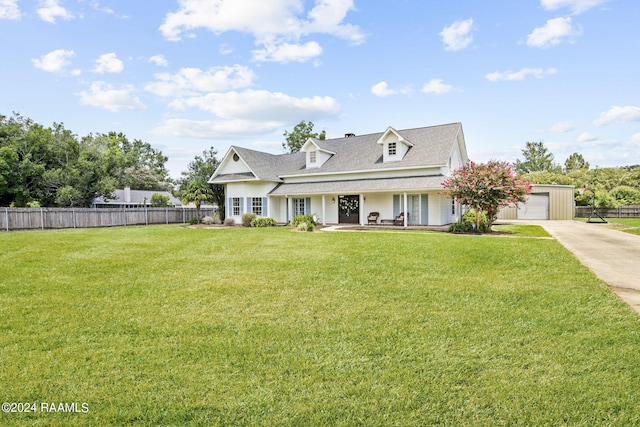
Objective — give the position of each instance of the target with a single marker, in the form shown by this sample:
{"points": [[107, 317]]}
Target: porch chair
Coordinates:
{"points": [[373, 217], [399, 220]]}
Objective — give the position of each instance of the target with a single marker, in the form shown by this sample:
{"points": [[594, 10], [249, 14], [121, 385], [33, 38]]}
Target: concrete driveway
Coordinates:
{"points": [[614, 256]]}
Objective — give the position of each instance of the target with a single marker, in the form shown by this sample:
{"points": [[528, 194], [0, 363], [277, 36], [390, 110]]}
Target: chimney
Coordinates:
{"points": [[127, 194], [349, 135]]}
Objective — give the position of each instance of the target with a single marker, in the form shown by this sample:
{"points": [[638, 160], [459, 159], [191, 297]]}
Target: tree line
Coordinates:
{"points": [[51, 166], [608, 187]]}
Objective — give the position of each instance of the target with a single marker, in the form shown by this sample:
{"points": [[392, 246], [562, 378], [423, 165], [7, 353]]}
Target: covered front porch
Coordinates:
{"points": [[353, 202]]}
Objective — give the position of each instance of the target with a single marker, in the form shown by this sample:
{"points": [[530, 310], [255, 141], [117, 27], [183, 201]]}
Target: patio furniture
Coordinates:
{"points": [[399, 220], [373, 217]]}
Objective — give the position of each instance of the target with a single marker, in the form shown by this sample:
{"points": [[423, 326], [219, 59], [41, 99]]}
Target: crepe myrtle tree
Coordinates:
{"points": [[486, 187]]}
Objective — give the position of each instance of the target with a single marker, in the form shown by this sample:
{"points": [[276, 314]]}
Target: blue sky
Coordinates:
{"points": [[189, 74]]}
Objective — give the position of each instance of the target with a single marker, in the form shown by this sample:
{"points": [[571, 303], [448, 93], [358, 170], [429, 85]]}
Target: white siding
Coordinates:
{"points": [[244, 190]]}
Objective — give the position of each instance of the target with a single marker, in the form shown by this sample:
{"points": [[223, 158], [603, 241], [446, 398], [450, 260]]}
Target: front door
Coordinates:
{"points": [[349, 209]]}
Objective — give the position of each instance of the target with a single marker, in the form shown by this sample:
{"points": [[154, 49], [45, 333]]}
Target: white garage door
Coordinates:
{"points": [[536, 207]]}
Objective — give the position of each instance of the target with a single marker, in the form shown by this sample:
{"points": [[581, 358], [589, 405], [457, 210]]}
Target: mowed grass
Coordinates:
{"points": [[628, 225], [631, 225], [165, 325]]}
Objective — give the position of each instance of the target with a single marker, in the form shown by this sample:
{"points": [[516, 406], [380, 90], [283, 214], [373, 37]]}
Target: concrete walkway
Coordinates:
{"points": [[614, 256]]}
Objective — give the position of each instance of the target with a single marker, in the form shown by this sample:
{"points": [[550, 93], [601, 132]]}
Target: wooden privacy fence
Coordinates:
{"points": [[621, 212], [48, 218]]}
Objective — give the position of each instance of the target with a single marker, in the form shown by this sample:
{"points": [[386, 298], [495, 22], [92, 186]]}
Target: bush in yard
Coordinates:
{"points": [[460, 227], [247, 218], [193, 220], [308, 219], [229, 222], [208, 220], [264, 222], [479, 225], [305, 226]]}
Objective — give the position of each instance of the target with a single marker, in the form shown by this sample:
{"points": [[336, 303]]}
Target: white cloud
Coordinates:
{"points": [[577, 6], [272, 23], [225, 49], [618, 114], [261, 106], [54, 61], [587, 137], [456, 36], [49, 10], [562, 127], [108, 63], [9, 9], [287, 52], [159, 60], [552, 33], [194, 81], [215, 129], [635, 140], [104, 95], [538, 73], [437, 87], [382, 89]]}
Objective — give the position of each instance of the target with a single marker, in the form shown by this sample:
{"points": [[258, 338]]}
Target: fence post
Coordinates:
{"points": [[124, 214], [73, 217], [146, 216], [166, 215], [183, 221], [6, 217], [42, 218]]}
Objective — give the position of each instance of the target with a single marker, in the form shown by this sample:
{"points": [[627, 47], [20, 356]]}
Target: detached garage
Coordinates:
{"points": [[546, 201]]}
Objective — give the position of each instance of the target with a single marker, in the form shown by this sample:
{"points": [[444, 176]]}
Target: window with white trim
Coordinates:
{"points": [[393, 148], [312, 156], [453, 206], [256, 205], [236, 204], [298, 207]]}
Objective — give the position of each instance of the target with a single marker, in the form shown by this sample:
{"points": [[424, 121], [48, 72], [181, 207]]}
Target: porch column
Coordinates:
{"points": [[324, 210], [268, 206], [361, 210], [405, 209], [289, 210]]}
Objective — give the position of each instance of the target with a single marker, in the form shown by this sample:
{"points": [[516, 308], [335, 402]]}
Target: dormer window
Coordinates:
{"points": [[393, 148], [312, 156]]}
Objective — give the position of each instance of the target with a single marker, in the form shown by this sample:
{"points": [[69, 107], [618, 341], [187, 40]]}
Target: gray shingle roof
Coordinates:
{"points": [[432, 148]]}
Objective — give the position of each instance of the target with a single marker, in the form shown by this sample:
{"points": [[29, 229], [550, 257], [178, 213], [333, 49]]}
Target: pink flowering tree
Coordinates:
{"points": [[486, 187]]}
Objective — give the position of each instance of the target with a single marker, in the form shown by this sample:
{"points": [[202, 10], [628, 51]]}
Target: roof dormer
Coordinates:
{"points": [[316, 156], [394, 145]]}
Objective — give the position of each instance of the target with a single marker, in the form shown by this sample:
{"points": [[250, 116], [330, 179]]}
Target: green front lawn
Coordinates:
{"points": [[166, 325], [631, 225]]}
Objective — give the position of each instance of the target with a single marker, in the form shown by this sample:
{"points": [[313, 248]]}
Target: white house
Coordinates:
{"points": [[344, 180], [129, 198]]}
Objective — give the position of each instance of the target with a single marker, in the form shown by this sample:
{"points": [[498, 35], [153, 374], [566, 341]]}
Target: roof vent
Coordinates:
{"points": [[349, 135]]}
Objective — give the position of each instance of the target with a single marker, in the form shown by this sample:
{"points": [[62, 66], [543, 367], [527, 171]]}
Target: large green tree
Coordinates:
{"points": [[201, 168], [575, 162], [536, 158], [299, 135]]}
